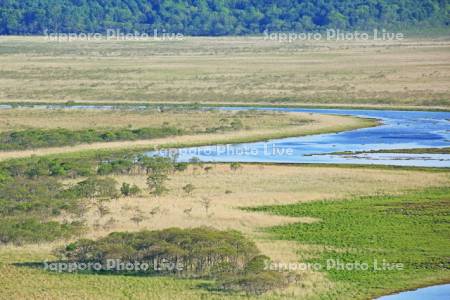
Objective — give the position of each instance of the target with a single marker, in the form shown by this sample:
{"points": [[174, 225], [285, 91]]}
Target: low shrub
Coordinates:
{"points": [[129, 190], [94, 187], [253, 283]]}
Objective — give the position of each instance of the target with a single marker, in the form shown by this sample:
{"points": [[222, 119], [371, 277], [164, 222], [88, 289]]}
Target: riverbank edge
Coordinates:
{"points": [[228, 104], [440, 150], [363, 123]]}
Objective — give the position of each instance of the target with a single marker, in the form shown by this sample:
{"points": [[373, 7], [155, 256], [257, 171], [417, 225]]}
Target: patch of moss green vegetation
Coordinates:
{"points": [[412, 230], [31, 193], [40, 138], [28, 204]]}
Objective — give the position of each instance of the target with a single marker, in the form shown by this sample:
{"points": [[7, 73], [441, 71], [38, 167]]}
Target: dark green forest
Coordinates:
{"points": [[216, 17]]}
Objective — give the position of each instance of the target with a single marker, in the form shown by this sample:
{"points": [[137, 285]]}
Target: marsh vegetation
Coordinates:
{"points": [[60, 191], [396, 240]]}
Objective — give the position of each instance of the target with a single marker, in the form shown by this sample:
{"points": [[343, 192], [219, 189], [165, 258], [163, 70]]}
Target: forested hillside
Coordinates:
{"points": [[216, 17]]}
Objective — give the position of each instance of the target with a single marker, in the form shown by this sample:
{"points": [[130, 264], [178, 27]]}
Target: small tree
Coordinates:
{"points": [[134, 190], [155, 183], [129, 190], [157, 164], [125, 189], [195, 160], [154, 211], [235, 166], [138, 217], [237, 124], [196, 163], [94, 187], [109, 224], [188, 188], [102, 209], [158, 170], [181, 166], [206, 203]]}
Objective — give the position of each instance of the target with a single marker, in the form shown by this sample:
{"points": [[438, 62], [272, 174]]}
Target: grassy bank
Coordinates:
{"points": [[39, 138], [195, 105], [411, 230]]}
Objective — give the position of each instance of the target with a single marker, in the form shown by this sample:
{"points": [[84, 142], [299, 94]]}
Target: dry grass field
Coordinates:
{"points": [[228, 190], [253, 185], [192, 121], [410, 73]]}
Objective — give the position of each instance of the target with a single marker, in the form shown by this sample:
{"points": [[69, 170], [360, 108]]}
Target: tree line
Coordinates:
{"points": [[228, 256], [215, 17]]}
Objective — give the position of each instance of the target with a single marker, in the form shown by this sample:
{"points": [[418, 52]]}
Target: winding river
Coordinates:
{"points": [[399, 130]]}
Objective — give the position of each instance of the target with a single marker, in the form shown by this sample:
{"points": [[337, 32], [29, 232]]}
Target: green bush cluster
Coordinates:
{"points": [[41, 138], [30, 190], [27, 206], [68, 167], [24, 195], [129, 190], [227, 256], [198, 250], [33, 230], [86, 165], [94, 187]]}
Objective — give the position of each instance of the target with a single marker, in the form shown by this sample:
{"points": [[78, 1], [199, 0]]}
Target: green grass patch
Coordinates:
{"points": [[412, 230], [41, 138]]}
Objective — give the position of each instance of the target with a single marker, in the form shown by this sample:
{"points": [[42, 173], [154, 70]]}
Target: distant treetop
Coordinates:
{"points": [[216, 17]]}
